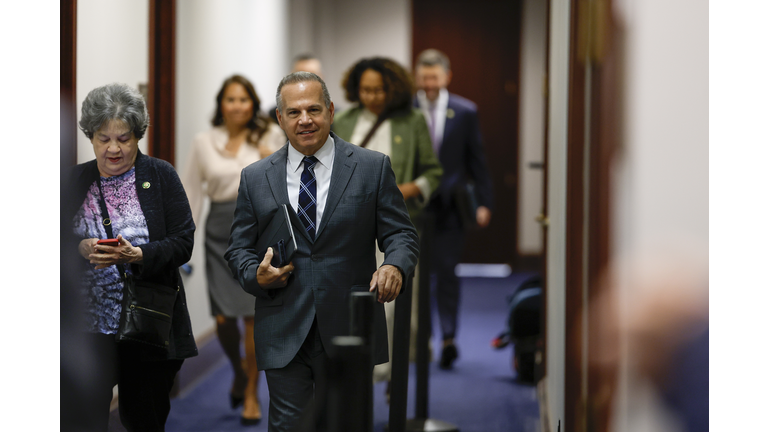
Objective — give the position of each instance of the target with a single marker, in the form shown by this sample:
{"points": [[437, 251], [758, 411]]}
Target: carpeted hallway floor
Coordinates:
{"points": [[481, 393]]}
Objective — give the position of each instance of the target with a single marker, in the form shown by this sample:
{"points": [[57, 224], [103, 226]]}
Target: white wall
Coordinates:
{"points": [[666, 163], [532, 106], [213, 41], [661, 191], [556, 206], [112, 46], [302, 34], [348, 30]]}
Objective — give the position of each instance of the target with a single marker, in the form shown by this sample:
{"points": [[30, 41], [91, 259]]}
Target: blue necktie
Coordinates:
{"points": [[308, 196]]}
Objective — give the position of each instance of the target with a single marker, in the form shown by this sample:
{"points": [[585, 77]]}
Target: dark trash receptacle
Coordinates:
{"points": [[523, 328]]}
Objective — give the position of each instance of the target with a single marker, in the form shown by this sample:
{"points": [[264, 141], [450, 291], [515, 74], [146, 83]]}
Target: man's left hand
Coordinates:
{"points": [[483, 216], [389, 281], [409, 190]]}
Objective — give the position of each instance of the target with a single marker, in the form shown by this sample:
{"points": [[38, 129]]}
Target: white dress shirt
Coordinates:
{"points": [[323, 169], [381, 141], [440, 107]]}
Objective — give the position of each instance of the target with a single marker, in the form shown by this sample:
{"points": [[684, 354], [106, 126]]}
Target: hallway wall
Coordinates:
{"points": [[663, 175], [340, 32], [112, 46], [213, 41], [533, 93], [661, 179]]}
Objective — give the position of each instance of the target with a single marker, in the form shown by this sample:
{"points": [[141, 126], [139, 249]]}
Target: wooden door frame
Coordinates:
{"points": [[607, 100], [593, 136], [161, 99], [574, 243], [545, 207], [68, 86]]}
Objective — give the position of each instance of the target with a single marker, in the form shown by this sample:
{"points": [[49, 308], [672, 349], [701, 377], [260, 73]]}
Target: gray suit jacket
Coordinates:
{"points": [[364, 205]]}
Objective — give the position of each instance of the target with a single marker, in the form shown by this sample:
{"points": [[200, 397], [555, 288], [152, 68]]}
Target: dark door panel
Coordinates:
{"points": [[482, 40]]}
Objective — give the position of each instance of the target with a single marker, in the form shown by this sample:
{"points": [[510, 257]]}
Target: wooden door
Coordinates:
{"points": [[161, 100], [482, 40]]}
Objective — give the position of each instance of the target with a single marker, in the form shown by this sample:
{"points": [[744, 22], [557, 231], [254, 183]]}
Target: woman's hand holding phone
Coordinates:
{"points": [[122, 252]]}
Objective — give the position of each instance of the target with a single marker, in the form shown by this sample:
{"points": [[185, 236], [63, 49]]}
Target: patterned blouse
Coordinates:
{"points": [[103, 288]]}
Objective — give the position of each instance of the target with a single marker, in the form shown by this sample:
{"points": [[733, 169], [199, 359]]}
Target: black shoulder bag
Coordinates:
{"points": [[147, 307]]}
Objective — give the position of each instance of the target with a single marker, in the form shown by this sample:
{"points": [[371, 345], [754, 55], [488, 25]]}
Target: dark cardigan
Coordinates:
{"points": [[171, 235]]}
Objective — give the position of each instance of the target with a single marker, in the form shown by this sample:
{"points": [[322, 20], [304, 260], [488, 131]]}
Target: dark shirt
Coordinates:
{"points": [[171, 234]]}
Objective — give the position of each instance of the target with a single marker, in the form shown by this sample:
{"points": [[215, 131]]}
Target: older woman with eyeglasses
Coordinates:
{"points": [[149, 216]]}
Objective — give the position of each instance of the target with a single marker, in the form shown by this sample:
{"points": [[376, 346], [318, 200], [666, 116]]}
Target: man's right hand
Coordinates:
{"points": [[270, 277]]}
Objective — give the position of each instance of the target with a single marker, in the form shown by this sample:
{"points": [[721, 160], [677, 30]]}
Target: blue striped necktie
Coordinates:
{"points": [[308, 196]]}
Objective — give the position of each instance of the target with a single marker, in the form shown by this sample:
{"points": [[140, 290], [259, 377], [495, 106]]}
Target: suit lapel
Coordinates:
{"points": [[343, 167], [277, 178], [450, 120], [278, 185]]}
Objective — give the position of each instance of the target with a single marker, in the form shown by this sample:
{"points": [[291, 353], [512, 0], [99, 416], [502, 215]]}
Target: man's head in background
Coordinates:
{"points": [[433, 72], [307, 63]]}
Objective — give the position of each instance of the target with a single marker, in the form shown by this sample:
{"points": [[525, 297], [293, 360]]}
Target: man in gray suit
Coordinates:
{"points": [[345, 199]]}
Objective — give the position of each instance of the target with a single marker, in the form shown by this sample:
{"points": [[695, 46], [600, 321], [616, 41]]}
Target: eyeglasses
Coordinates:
{"points": [[377, 91]]}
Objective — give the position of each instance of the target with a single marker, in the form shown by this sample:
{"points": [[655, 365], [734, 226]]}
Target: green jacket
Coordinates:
{"points": [[412, 155]]}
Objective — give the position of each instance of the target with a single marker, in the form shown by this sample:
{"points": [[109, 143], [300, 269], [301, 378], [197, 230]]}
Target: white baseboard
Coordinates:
{"points": [[483, 270]]}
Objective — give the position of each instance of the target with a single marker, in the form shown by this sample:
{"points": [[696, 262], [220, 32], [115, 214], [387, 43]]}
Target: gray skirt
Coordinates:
{"points": [[226, 295]]}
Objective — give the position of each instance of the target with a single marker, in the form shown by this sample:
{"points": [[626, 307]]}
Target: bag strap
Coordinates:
{"points": [[107, 222], [375, 126]]}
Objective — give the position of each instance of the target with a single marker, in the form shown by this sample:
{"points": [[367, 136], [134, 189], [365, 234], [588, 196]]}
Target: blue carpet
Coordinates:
{"points": [[480, 394]]}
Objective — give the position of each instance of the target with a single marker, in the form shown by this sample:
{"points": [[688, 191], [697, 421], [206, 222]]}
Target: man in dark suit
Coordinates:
{"points": [[456, 139], [346, 199]]}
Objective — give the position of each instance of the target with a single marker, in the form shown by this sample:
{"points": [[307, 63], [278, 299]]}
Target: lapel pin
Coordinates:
{"points": [[450, 113], [398, 140], [145, 185]]}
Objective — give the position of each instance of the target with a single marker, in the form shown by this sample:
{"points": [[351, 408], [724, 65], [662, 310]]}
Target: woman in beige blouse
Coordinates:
{"points": [[240, 136]]}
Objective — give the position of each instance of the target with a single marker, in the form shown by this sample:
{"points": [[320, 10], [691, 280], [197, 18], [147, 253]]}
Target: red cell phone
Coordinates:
{"points": [[108, 242]]}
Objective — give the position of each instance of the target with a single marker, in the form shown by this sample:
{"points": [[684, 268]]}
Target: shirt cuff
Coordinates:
{"points": [[423, 184]]}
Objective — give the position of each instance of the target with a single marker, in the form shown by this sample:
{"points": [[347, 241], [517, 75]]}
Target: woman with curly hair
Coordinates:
{"points": [[240, 136], [384, 120]]}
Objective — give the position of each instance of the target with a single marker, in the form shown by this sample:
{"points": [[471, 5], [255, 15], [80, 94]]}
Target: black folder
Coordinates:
{"points": [[278, 236]]}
